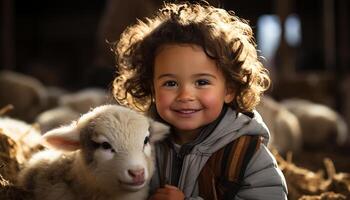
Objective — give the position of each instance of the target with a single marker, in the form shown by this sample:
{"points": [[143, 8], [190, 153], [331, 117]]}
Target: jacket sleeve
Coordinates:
{"points": [[263, 179]]}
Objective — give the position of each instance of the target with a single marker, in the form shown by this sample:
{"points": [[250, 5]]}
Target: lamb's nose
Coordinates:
{"points": [[138, 173]]}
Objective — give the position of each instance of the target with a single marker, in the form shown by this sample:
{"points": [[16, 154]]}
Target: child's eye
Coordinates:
{"points": [[202, 82], [170, 84]]}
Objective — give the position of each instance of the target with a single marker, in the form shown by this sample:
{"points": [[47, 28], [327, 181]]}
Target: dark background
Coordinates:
{"points": [[62, 43]]}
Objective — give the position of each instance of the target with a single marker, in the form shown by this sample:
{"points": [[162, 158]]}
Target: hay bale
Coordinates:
{"points": [[9, 191], [12, 154], [26, 136], [341, 183], [9, 166], [324, 196], [18, 141], [308, 185]]}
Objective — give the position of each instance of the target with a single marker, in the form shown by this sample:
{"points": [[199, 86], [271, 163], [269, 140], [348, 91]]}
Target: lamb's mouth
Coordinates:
{"points": [[133, 185]]}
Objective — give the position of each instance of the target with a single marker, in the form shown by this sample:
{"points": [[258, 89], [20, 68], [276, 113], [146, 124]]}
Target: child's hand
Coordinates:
{"points": [[168, 192]]}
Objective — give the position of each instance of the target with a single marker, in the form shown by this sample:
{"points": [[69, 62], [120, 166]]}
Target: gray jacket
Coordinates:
{"points": [[262, 179]]}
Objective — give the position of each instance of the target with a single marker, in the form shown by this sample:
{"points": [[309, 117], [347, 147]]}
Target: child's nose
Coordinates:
{"points": [[185, 94]]}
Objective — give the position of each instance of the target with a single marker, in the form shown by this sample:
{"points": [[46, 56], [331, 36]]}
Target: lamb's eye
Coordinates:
{"points": [[95, 144], [106, 145], [146, 140], [103, 145]]}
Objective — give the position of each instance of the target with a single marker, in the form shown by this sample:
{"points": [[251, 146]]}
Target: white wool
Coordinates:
{"points": [[102, 155]]}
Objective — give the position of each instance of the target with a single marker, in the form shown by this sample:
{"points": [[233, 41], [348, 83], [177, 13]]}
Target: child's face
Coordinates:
{"points": [[190, 89]]}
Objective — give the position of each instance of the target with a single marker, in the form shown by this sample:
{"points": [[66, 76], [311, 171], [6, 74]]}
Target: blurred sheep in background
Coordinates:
{"points": [[56, 117], [320, 124], [50, 107], [83, 100], [283, 125], [71, 106], [25, 93]]}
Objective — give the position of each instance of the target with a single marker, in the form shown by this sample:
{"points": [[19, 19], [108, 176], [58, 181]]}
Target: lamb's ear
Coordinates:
{"points": [[65, 138], [158, 130]]}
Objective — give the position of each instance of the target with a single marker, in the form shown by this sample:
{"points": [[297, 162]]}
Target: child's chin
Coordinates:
{"points": [[187, 129]]}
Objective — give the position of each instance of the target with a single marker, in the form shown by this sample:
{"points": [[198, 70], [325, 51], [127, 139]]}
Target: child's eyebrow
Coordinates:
{"points": [[204, 74], [166, 75]]}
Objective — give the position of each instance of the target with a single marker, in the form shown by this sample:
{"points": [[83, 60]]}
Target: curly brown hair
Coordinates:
{"points": [[223, 36]]}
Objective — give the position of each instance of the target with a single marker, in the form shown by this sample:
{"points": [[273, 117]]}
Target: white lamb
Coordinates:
{"points": [[284, 126], [108, 155], [320, 124]]}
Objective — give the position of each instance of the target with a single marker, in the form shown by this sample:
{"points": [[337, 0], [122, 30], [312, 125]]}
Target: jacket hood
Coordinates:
{"points": [[229, 126], [233, 125]]}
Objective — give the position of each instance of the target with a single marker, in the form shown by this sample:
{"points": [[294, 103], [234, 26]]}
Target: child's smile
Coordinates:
{"points": [[190, 90], [186, 112]]}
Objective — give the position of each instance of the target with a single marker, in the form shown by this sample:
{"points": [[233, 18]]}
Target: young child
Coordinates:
{"points": [[195, 67]]}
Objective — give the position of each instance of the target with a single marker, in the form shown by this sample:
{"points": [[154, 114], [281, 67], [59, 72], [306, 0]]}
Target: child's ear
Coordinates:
{"points": [[230, 95], [65, 138]]}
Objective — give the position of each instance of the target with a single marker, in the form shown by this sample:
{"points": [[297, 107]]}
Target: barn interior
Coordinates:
{"points": [[305, 45]]}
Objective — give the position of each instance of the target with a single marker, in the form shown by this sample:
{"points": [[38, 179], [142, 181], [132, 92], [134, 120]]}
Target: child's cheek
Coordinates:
{"points": [[213, 101], [163, 99]]}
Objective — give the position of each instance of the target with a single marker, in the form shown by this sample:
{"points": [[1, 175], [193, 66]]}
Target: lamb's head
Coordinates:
{"points": [[115, 144]]}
